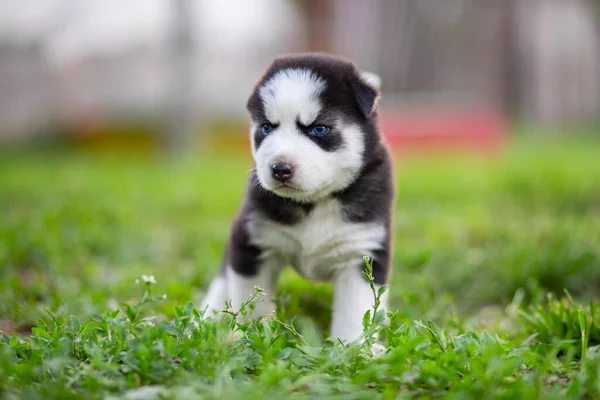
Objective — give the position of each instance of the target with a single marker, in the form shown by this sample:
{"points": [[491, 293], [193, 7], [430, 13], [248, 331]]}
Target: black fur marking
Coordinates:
{"points": [[243, 256], [381, 263], [259, 137], [366, 97], [256, 108], [345, 91], [331, 141], [368, 199], [371, 195]]}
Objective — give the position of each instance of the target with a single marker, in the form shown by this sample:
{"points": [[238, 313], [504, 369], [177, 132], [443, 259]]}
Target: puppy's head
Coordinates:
{"points": [[311, 121]]}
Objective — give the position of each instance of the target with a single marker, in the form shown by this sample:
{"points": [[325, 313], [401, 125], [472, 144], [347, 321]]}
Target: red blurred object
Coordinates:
{"points": [[466, 129]]}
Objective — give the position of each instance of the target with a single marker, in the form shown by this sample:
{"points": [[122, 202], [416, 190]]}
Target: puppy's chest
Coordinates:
{"points": [[320, 243]]}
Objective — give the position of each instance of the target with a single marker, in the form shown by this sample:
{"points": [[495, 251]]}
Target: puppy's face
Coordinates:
{"points": [[309, 119]]}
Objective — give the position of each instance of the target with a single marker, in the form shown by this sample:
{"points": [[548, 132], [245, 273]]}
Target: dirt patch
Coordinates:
{"points": [[9, 327]]}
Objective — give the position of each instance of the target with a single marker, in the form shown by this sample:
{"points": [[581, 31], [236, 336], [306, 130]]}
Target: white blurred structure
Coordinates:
{"points": [[109, 57], [74, 59], [561, 56], [538, 58]]}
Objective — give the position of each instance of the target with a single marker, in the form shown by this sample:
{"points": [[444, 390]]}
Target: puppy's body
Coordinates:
{"points": [[321, 191]]}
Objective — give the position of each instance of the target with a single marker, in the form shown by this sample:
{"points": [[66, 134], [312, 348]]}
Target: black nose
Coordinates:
{"points": [[282, 171]]}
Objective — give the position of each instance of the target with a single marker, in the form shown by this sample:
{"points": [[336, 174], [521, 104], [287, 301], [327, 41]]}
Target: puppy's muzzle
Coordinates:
{"points": [[282, 171]]}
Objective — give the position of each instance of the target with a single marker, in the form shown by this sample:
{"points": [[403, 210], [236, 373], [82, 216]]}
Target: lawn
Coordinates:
{"points": [[496, 265]]}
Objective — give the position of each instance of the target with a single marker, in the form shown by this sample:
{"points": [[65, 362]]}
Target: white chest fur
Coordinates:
{"points": [[320, 244]]}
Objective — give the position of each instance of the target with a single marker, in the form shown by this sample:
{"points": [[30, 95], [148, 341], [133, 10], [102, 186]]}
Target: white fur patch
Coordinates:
{"points": [[240, 288], [371, 79], [292, 94], [352, 298], [253, 127], [325, 247], [237, 289], [320, 245], [215, 299]]}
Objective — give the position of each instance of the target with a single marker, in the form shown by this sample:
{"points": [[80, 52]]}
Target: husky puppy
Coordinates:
{"points": [[320, 193]]}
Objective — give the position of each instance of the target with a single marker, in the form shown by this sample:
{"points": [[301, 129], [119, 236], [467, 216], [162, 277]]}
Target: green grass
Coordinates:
{"points": [[479, 245]]}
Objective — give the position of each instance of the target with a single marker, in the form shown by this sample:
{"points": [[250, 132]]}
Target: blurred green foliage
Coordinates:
{"points": [[470, 232]]}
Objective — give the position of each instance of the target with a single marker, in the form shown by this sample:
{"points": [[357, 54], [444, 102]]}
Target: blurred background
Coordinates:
{"points": [[170, 72], [492, 108]]}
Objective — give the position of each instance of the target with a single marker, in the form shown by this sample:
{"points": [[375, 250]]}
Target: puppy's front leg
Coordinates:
{"points": [[217, 295], [245, 267], [352, 298], [242, 286]]}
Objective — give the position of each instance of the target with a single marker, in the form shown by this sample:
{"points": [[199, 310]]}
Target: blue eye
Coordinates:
{"points": [[319, 130], [266, 129]]}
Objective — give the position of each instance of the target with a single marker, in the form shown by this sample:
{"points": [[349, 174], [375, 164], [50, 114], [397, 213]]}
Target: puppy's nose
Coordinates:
{"points": [[282, 171]]}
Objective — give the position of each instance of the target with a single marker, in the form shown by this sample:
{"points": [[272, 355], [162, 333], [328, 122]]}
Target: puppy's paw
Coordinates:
{"points": [[233, 336], [378, 350]]}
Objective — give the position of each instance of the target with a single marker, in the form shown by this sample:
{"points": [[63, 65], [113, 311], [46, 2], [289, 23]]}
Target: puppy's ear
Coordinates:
{"points": [[366, 89], [372, 79]]}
